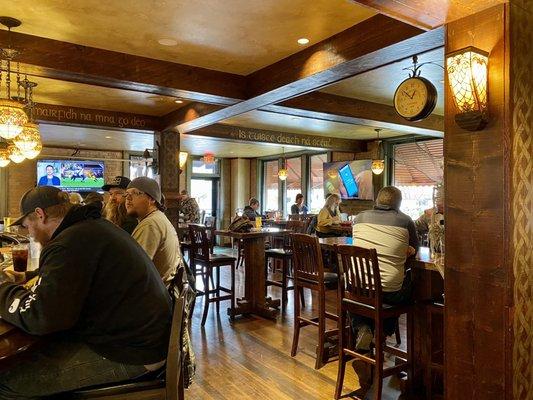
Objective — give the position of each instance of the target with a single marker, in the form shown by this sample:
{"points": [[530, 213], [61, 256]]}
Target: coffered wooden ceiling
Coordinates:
{"points": [[238, 36]]}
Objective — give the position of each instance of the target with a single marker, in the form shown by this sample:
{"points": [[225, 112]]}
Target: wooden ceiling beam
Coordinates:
{"points": [[428, 14], [240, 134], [54, 59], [326, 107], [76, 116], [375, 42]]}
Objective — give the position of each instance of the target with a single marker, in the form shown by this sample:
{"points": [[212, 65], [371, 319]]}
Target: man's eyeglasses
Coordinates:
{"points": [[133, 194]]}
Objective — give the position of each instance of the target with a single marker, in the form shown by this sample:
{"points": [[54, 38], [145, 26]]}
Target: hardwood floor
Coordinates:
{"points": [[250, 358]]}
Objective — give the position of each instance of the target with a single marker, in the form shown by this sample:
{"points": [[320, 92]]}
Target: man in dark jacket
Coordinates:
{"points": [[98, 297], [250, 211]]}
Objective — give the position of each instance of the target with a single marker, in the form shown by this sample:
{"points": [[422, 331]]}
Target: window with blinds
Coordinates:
{"points": [[417, 168]]}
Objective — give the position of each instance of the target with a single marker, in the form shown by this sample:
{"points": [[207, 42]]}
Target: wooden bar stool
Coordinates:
{"points": [[308, 270], [360, 293], [202, 257], [284, 255]]}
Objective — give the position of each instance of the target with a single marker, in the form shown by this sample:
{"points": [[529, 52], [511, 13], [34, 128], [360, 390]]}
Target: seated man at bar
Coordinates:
{"points": [[189, 208], [102, 325], [115, 209], [250, 211], [430, 216], [329, 217], [155, 232], [299, 207], [393, 235]]}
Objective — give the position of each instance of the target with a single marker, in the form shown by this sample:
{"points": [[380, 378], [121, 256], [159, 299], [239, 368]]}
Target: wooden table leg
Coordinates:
{"points": [[254, 300]]}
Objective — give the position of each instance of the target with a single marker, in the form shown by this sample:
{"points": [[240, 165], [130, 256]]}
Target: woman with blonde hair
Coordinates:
{"points": [[329, 217], [75, 198]]}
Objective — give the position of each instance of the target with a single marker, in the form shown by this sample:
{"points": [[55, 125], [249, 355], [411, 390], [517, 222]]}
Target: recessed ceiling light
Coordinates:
{"points": [[167, 42], [108, 137], [303, 41], [178, 101]]}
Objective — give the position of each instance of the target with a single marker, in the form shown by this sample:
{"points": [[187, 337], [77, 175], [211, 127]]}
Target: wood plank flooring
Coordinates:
{"points": [[250, 358]]}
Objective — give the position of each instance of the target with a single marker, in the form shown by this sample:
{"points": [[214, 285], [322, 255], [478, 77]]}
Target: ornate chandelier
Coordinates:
{"points": [[12, 115], [17, 126]]}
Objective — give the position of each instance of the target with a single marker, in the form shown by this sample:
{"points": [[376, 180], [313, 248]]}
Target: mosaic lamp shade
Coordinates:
{"points": [[31, 154], [28, 138], [12, 118], [467, 71]]}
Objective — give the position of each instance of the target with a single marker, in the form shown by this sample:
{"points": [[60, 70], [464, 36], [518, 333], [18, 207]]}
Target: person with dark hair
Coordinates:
{"points": [[95, 198], [155, 232], [299, 207], [250, 211], [101, 324], [115, 209], [49, 179], [393, 235]]}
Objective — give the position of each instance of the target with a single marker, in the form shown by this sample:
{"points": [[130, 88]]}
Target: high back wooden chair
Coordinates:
{"points": [[284, 255], [360, 293], [166, 383], [202, 259], [308, 270]]}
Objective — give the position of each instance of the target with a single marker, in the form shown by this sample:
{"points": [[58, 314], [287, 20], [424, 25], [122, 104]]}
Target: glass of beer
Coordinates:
{"points": [[19, 253], [258, 222]]}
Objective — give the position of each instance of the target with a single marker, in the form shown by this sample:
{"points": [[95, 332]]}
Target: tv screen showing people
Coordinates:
{"points": [[71, 175], [349, 179]]}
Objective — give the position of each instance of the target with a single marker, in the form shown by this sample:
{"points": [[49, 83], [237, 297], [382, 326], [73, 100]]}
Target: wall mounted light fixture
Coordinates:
{"points": [[467, 71], [182, 159]]}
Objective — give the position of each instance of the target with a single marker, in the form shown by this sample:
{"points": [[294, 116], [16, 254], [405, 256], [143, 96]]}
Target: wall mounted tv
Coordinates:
{"points": [[349, 179], [71, 175]]}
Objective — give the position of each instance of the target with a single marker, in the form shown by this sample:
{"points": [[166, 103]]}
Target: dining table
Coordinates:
{"points": [[255, 300], [428, 315]]}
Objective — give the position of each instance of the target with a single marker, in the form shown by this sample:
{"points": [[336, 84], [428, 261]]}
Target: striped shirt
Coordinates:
{"points": [[390, 232]]}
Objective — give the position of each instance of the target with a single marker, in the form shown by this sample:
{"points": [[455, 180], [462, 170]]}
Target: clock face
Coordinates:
{"points": [[412, 99]]}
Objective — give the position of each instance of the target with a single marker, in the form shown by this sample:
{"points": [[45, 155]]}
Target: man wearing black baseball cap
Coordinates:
{"points": [[115, 209], [103, 325]]}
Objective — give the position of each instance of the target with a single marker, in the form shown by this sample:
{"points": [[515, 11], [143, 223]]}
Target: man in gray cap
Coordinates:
{"points": [[101, 325], [155, 232]]}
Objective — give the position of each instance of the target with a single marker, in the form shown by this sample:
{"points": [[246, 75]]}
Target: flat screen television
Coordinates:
{"points": [[71, 175], [349, 179]]}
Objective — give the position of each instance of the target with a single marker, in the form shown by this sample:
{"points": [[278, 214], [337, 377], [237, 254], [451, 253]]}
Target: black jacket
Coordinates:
{"points": [[97, 285], [250, 213]]}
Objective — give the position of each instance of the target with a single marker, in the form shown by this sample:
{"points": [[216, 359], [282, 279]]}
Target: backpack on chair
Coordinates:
{"points": [[241, 224]]}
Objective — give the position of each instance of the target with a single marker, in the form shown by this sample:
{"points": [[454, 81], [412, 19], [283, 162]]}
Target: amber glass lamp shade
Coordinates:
{"points": [[467, 71], [28, 138], [12, 118], [31, 154], [4, 157], [282, 174], [15, 154], [378, 166]]}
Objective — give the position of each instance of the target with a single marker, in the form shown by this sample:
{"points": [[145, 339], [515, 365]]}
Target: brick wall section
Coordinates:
{"points": [[22, 177]]}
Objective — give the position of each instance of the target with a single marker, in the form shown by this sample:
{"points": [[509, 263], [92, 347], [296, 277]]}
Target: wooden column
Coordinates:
{"points": [[488, 189], [169, 163]]}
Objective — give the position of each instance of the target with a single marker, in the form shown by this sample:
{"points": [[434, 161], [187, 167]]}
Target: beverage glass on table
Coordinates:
{"points": [[258, 222], [20, 257]]}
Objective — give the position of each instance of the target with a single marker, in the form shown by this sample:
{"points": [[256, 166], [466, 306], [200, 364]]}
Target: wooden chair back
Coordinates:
{"points": [[296, 226], [295, 217], [200, 245], [211, 225], [173, 374], [359, 276], [307, 258]]}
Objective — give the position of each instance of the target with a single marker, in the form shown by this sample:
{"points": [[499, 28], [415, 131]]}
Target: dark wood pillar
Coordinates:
{"points": [[169, 168], [488, 189]]}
